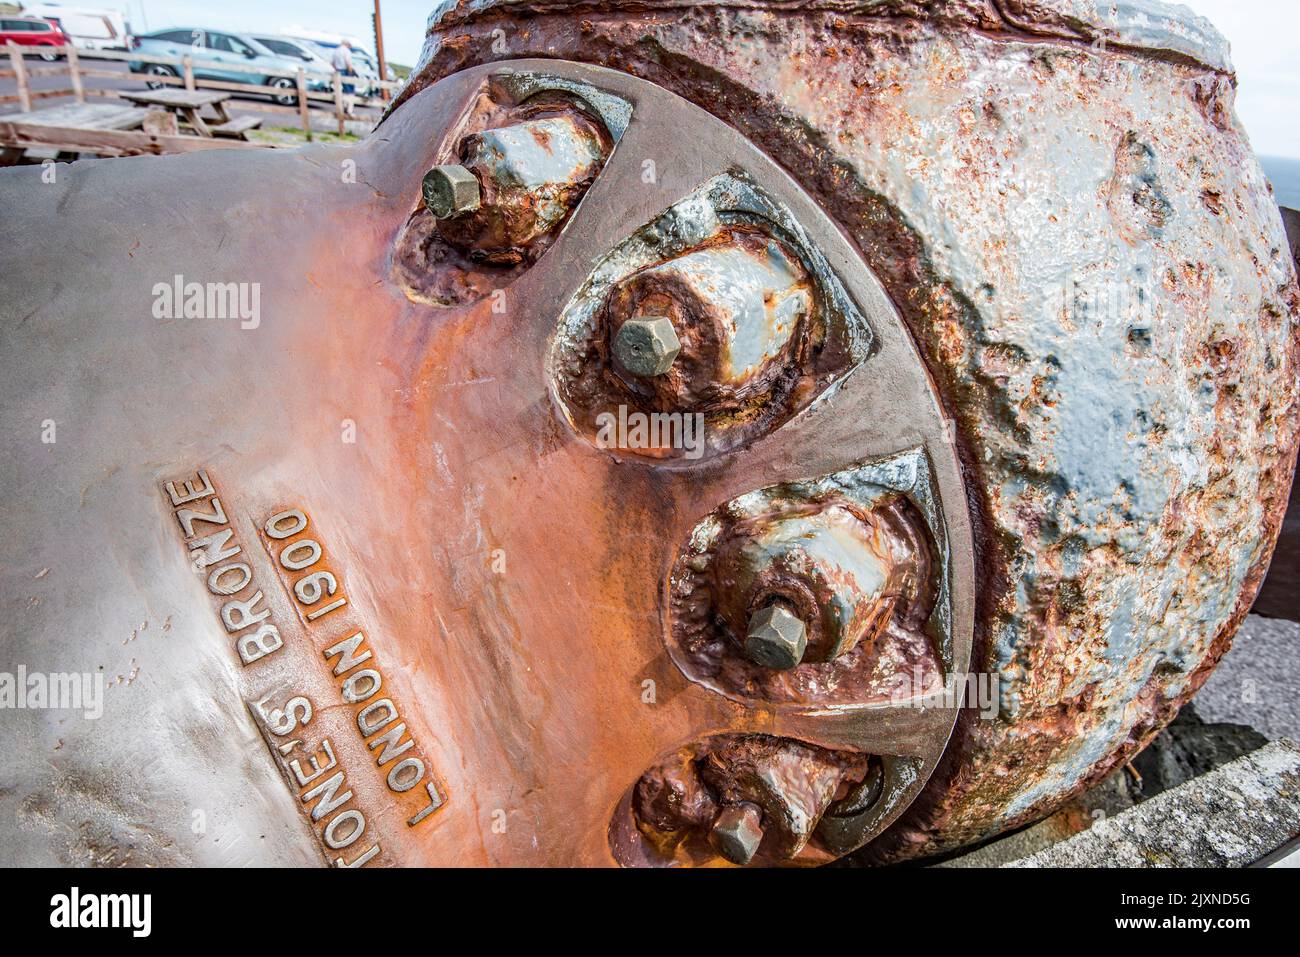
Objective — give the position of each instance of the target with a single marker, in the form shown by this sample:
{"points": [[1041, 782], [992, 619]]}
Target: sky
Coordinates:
{"points": [[1265, 38]]}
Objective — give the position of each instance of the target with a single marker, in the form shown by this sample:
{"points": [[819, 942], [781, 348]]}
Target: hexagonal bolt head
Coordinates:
{"points": [[737, 832], [451, 191], [647, 346], [776, 639]]}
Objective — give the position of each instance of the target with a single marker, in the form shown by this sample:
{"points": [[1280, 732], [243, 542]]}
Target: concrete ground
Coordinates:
{"points": [[1231, 817], [1258, 681]]}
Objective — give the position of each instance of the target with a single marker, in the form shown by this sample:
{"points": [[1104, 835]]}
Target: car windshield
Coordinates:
{"points": [[225, 43], [283, 48]]}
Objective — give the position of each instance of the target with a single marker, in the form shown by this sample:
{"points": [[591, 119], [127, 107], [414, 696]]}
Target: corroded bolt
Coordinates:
{"points": [[776, 638], [451, 191], [737, 832], [741, 304], [530, 176], [647, 346]]}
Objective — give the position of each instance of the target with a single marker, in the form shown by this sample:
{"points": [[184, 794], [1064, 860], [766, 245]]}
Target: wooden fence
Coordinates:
{"points": [[77, 73]]}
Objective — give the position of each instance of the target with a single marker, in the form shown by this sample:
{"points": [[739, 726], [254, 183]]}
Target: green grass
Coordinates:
{"points": [[293, 135]]}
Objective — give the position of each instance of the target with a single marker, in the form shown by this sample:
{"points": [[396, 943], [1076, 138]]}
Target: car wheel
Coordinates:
{"points": [[49, 56], [284, 83], [157, 69]]}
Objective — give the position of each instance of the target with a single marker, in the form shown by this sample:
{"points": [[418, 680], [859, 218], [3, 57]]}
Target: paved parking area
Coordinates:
{"points": [[1258, 681]]}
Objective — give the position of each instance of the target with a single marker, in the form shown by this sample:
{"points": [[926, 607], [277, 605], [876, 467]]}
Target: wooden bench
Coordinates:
{"points": [[84, 117], [238, 127]]}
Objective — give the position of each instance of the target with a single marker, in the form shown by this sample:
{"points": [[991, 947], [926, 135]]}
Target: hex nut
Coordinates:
{"points": [[776, 639], [647, 346], [451, 191], [740, 306], [737, 832]]}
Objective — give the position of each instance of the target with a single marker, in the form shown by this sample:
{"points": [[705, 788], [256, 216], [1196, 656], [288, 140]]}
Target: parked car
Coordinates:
{"points": [[33, 32], [88, 28], [314, 60], [214, 53], [362, 61]]}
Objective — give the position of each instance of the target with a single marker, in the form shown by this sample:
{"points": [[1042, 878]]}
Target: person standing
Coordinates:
{"points": [[341, 61]]}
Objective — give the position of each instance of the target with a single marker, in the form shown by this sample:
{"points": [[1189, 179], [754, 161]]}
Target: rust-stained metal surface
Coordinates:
{"points": [[765, 325], [1059, 200], [365, 589], [531, 146], [738, 305], [731, 783], [851, 556], [841, 573], [532, 174], [372, 583]]}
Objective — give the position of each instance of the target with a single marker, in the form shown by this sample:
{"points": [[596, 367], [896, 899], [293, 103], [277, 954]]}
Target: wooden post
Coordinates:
{"points": [[302, 102], [338, 102], [379, 52], [74, 71], [20, 75], [188, 63]]}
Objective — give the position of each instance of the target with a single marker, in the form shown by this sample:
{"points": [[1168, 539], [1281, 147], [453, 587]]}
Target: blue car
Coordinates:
{"points": [[211, 50]]}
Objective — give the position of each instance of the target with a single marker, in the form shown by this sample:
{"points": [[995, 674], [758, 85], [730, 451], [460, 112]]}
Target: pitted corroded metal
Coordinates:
{"points": [[1150, 26], [532, 174], [507, 177], [614, 113], [740, 305], [1058, 198], [840, 571], [704, 261], [741, 796], [731, 565]]}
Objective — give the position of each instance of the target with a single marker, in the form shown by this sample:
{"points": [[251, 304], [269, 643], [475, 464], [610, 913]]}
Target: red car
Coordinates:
{"points": [[32, 32]]}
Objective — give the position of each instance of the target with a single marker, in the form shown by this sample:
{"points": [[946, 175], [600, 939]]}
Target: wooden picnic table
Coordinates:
{"points": [[106, 129], [85, 116], [187, 104]]}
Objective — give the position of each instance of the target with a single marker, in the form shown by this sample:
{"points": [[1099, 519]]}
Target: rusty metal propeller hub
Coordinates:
{"points": [[395, 543]]}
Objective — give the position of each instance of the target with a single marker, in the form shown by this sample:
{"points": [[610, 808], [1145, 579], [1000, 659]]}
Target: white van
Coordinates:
{"points": [[89, 28]]}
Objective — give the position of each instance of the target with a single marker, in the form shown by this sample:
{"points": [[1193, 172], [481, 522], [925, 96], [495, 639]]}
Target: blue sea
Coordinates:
{"points": [[1284, 174]]}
